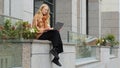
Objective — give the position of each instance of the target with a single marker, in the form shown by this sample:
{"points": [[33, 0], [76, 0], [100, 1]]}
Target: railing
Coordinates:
{"points": [[87, 51], [85, 45], [4, 16]]}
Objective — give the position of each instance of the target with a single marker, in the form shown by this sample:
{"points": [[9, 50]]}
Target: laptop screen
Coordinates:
{"points": [[58, 25]]}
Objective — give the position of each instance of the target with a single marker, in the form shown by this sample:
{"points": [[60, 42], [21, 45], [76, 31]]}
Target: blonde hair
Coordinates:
{"points": [[39, 12]]}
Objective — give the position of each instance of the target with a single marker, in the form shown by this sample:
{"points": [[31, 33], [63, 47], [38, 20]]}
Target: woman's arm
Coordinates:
{"points": [[40, 28], [36, 23]]}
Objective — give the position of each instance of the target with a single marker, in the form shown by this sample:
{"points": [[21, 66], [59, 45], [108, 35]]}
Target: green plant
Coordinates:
{"points": [[17, 30], [107, 40], [29, 32], [101, 41], [8, 31], [111, 40]]}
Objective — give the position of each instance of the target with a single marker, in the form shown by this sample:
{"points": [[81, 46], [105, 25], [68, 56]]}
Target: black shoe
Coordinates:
{"points": [[56, 62], [54, 53]]}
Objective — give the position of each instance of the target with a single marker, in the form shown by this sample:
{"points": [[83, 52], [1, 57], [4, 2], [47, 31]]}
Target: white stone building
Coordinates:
{"points": [[95, 18]]}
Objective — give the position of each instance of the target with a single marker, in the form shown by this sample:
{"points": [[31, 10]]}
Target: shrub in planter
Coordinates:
{"points": [[28, 32], [111, 40], [8, 31], [18, 30], [108, 40]]}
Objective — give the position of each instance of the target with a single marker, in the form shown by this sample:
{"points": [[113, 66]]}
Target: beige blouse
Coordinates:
{"points": [[40, 23]]}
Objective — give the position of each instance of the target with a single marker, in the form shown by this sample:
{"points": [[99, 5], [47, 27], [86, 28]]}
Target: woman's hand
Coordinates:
{"points": [[47, 29], [41, 30]]}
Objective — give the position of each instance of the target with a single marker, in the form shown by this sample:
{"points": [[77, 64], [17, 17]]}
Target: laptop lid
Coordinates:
{"points": [[58, 25]]}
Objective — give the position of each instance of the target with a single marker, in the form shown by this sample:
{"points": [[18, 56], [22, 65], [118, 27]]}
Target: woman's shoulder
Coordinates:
{"points": [[37, 16]]}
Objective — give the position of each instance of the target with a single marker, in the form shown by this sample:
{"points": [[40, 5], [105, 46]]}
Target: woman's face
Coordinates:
{"points": [[45, 10]]}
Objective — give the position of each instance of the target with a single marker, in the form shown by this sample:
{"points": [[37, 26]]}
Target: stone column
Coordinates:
{"points": [[1, 6], [26, 55]]}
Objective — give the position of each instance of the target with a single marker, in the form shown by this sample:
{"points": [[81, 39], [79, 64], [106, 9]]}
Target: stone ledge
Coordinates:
{"points": [[44, 46], [36, 54], [33, 41]]}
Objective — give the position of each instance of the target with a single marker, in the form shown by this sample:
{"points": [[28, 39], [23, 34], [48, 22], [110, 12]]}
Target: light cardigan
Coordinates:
{"points": [[40, 23]]}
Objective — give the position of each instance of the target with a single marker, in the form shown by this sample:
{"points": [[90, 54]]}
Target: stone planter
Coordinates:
{"points": [[34, 54]]}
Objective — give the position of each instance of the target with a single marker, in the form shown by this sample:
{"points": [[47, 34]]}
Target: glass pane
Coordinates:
{"points": [[37, 5], [85, 52], [51, 9], [114, 51], [84, 47], [10, 55], [51, 19]]}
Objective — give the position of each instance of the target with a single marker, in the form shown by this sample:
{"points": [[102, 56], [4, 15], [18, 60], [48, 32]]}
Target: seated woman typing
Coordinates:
{"points": [[41, 21]]}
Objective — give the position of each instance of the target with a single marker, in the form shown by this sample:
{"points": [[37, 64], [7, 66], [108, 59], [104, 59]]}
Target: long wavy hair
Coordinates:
{"points": [[39, 12]]}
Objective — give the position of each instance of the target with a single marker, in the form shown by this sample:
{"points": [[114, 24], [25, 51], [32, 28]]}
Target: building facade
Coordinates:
{"points": [[95, 18]]}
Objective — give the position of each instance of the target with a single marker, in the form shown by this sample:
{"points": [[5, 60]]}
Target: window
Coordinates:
{"points": [[92, 17], [51, 4]]}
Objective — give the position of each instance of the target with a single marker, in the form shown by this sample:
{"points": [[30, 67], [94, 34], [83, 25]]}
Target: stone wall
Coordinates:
{"points": [[110, 23]]}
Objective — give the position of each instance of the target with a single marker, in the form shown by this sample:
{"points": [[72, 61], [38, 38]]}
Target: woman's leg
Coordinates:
{"points": [[56, 41], [54, 37]]}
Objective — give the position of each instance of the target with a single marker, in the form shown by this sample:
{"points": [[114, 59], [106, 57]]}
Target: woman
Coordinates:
{"points": [[44, 32]]}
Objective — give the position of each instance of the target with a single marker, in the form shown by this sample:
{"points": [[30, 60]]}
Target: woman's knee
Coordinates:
{"points": [[53, 32], [56, 32]]}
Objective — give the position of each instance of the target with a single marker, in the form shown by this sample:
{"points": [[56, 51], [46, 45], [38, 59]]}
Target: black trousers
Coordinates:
{"points": [[54, 37]]}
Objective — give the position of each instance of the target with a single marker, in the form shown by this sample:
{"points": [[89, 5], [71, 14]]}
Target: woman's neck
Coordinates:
{"points": [[44, 14]]}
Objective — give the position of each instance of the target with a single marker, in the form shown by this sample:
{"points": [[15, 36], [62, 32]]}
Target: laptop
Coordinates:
{"points": [[58, 25]]}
